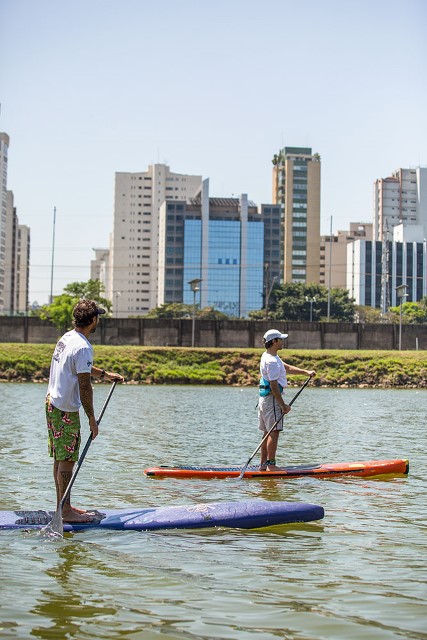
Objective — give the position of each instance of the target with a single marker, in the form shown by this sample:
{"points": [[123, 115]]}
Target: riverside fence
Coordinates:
{"points": [[152, 332]]}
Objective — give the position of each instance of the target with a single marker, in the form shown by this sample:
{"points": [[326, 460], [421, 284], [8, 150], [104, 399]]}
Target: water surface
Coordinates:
{"points": [[359, 573]]}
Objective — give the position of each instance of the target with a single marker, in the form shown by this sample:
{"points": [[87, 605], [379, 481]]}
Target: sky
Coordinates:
{"points": [[210, 87]]}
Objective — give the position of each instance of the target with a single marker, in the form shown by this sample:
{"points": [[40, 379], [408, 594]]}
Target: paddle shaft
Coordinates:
{"points": [[85, 450], [242, 473]]}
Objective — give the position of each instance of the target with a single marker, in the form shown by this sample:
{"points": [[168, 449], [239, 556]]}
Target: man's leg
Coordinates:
{"points": [[63, 477], [264, 456], [272, 442]]}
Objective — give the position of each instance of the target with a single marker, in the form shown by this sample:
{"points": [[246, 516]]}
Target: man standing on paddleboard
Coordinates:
{"points": [[271, 406], [69, 388]]}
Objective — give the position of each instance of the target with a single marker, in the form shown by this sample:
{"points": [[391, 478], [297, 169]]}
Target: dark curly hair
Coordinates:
{"points": [[84, 312]]}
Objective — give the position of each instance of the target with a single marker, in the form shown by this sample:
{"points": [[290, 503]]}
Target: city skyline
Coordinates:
{"points": [[94, 88]]}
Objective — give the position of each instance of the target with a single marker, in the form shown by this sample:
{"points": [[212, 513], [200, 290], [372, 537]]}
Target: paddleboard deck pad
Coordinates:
{"points": [[250, 514], [325, 470]]}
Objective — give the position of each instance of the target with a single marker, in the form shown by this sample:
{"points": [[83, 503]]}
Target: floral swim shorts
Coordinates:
{"points": [[63, 428]]}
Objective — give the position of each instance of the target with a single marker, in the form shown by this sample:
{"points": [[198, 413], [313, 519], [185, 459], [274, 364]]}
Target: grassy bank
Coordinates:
{"points": [[167, 365]]}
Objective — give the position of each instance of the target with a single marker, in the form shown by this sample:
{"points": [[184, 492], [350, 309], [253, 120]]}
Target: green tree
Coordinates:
{"points": [[171, 310], [60, 311], [90, 290], [297, 301], [369, 315], [412, 312], [210, 313], [181, 310], [257, 314]]}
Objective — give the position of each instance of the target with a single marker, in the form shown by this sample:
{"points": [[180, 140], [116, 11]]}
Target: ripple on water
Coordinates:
{"points": [[359, 573]]}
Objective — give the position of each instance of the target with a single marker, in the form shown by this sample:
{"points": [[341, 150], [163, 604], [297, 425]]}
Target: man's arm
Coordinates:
{"points": [[106, 375], [296, 370], [86, 396], [275, 390]]}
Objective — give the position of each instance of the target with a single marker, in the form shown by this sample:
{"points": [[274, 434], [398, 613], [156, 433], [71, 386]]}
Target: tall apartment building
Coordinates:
{"points": [[131, 271], [23, 269], [14, 246], [296, 187], [333, 253], [226, 243], [4, 148], [400, 206]]}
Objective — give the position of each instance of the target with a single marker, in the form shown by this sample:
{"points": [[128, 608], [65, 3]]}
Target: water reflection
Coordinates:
{"points": [[65, 605]]}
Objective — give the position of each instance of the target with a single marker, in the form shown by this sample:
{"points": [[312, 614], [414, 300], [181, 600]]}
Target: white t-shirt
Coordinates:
{"points": [[73, 354], [272, 368]]}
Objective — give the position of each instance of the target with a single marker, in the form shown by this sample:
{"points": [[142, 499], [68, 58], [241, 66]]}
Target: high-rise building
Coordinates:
{"points": [[14, 246], [220, 241], [296, 187], [132, 265], [22, 269], [400, 206], [4, 148]]}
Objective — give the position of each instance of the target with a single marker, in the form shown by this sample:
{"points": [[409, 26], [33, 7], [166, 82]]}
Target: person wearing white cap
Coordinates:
{"points": [[271, 406]]}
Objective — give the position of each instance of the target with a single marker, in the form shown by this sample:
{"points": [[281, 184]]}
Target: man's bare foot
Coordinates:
{"points": [[272, 467], [79, 510], [73, 516]]}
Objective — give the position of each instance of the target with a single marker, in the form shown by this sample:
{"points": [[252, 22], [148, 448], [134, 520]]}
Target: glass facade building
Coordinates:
{"points": [[221, 241]]}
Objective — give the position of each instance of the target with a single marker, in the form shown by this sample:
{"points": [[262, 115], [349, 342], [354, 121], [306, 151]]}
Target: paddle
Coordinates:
{"points": [[55, 526], [242, 473]]}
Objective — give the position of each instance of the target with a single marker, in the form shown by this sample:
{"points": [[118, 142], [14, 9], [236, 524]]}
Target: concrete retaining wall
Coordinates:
{"points": [[225, 333]]}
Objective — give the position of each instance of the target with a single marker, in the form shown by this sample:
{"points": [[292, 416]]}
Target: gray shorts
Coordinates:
{"points": [[269, 412]]}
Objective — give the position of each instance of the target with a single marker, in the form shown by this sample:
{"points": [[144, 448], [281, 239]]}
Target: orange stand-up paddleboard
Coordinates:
{"points": [[324, 470]]}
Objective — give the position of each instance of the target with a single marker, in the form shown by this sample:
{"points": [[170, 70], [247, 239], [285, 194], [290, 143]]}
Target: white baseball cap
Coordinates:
{"points": [[272, 334]]}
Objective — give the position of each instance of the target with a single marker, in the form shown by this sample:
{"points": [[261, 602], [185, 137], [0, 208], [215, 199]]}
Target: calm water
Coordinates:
{"points": [[358, 574]]}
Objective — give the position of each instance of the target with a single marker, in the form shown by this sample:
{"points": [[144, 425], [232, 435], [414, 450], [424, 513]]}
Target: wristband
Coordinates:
{"points": [[102, 374]]}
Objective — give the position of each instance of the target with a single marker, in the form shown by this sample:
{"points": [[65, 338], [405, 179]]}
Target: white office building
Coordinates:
{"points": [[400, 206], [129, 269], [4, 148], [14, 246]]}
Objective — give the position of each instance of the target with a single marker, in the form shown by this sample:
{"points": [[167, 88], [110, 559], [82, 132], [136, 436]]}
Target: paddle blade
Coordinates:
{"points": [[55, 527]]}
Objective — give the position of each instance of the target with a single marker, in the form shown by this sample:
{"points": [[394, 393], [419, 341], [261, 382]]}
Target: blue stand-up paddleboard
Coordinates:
{"points": [[250, 514]]}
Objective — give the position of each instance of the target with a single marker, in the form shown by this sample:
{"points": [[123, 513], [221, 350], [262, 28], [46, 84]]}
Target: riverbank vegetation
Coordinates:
{"points": [[168, 365]]}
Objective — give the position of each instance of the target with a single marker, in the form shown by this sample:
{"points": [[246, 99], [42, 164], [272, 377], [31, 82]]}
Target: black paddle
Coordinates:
{"points": [[55, 526], [242, 473]]}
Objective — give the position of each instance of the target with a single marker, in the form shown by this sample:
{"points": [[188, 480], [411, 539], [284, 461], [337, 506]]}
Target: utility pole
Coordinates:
{"points": [[195, 287], [269, 284], [53, 256]]}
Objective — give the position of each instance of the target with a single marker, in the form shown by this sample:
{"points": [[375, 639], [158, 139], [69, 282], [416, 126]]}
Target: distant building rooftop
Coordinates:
{"points": [[221, 202]]}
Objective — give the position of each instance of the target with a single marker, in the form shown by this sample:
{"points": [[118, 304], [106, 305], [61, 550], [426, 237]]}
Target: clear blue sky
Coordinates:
{"points": [[210, 87]]}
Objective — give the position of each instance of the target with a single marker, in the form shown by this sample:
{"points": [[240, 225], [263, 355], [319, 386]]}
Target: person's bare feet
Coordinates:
{"points": [[79, 510], [71, 515]]}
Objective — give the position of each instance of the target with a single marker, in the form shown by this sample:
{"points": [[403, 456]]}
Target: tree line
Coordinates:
{"points": [[287, 302]]}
